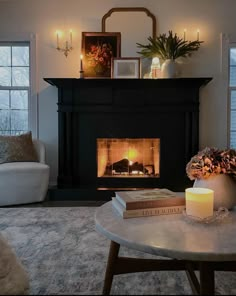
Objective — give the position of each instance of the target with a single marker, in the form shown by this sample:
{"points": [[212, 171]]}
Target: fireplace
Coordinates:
{"points": [[128, 158], [125, 134]]}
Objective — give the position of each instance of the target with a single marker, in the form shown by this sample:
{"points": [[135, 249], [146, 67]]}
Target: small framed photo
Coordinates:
{"points": [[98, 49], [126, 68]]}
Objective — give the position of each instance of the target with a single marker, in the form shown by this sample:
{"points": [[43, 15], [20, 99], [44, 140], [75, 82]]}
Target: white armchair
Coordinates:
{"points": [[24, 182]]}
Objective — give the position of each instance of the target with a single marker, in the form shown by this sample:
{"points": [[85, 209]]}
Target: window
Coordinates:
{"points": [[232, 94], [14, 87], [18, 83]]}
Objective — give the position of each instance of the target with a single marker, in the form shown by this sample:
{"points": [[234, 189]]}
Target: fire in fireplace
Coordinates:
{"points": [[122, 157]]}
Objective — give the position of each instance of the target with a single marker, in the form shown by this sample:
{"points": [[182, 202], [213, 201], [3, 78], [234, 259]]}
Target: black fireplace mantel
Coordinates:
{"points": [[125, 108]]}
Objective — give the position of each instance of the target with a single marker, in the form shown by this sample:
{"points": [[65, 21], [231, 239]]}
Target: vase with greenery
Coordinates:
{"points": [[168, 47]]}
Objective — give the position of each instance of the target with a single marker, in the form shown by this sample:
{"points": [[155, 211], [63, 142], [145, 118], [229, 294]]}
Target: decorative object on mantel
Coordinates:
{"points": [[81, 72], [168, 49], [215, 169], [127, 67], [145, 25], [98, 49], [68, 43], [155, 68]]}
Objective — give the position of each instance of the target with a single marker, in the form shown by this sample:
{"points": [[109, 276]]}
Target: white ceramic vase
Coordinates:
{"points": [[224, 187], [168, 69]]}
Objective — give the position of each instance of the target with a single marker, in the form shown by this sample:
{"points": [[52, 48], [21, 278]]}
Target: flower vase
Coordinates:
{"points": [[168, 69], [224, 187]]}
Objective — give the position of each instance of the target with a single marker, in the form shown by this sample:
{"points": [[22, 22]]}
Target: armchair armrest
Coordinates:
{"points": [[40, 150]]}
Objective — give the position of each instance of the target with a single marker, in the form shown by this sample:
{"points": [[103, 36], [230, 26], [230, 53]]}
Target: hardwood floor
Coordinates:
{"points": [[64, 203]]}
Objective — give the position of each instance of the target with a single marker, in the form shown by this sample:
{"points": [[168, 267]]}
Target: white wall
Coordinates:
{"points": [[44, 17]]}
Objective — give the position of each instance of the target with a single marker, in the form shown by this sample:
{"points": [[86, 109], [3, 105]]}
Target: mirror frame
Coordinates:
{"points": [[133, 9]]}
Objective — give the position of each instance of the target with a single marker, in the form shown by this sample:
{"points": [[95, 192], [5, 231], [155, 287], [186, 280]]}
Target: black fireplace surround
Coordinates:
{"points": [[89, 109]]}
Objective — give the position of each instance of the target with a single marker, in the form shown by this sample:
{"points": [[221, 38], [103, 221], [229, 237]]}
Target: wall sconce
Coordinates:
{"points": [[68, 43], [185, 34]]}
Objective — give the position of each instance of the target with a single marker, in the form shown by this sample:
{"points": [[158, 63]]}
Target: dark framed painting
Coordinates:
{"points": [[98, 49]]}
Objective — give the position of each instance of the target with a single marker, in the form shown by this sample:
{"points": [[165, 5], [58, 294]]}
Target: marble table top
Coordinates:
{"points": [[173, 236]]}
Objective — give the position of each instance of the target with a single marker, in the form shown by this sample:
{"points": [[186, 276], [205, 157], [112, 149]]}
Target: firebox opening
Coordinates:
{"points": [[126, 157]]}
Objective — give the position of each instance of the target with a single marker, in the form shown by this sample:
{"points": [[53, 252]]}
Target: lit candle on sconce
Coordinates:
{"points": [[185, 30], [71, 38], [57, 33], [199, 202], [198, 33]]}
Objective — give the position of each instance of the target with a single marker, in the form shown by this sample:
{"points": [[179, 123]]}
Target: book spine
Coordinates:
{"points": [[153, 212], [155, 204]]}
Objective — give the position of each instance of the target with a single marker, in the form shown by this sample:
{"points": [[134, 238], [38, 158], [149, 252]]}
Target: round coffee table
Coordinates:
{"points": [[191, 245]]}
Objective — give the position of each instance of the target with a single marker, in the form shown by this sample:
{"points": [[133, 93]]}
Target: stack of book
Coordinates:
{"points": [[150, 202]]}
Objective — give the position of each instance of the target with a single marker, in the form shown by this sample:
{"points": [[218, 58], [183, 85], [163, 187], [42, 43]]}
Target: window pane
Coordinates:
{"points": [[5, 56], [20, 56], [233, 56], [19, 120], [20, 76], [233, 99], [232, 76], [4, 99], [4, 120], [233, 140], [5, 76], [19, 99], [233, 120]]}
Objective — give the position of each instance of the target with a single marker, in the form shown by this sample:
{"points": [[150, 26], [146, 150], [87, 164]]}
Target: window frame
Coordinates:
{"points": [[228, 41], [30, 38]]}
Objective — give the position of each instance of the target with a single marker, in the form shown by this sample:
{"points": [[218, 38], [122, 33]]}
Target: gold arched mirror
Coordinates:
{"points": [[136, 24]]}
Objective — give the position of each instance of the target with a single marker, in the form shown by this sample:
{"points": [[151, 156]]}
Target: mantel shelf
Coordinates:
{"points": [[139, 82]]}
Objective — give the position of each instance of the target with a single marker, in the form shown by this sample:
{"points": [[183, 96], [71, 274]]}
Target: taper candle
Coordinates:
{"points": [[57, 39], [198, 32], [199, 202], [70, 38], [185, 34]]}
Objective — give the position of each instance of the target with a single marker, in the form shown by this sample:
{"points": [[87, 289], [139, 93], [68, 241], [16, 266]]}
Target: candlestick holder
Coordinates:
{"points": [[81, 74], [68, 44]]}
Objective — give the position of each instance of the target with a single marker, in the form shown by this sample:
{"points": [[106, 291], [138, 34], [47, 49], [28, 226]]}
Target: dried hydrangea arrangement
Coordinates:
{"points": [[210, 162]]}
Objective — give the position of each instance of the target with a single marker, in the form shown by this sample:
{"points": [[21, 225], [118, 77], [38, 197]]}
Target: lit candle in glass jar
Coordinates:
{"points": [[199, 202]]}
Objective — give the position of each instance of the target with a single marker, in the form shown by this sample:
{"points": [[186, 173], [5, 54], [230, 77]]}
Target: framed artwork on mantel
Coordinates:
{"points": [[98, 49], [125, 67]]}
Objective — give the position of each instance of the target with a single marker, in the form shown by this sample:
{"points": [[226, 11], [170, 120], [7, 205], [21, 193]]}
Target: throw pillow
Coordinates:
{"points": [[17, 148]]}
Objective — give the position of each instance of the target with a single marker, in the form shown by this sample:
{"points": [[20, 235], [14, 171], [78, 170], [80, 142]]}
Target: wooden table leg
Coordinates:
{"points": [[112, 257], [207, 280]]}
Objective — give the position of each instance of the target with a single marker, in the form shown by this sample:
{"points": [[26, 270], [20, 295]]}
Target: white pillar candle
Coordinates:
{"points": [[199, 202]]}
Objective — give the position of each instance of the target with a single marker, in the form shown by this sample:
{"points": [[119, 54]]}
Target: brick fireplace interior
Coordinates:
{"points": [[125, 134], [128, 158]]}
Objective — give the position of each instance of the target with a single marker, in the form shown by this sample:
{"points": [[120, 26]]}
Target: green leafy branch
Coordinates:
{"points": [[168, 47]]}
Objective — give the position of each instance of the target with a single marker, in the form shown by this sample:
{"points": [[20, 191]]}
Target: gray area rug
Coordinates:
{"points": [[63, 254]]}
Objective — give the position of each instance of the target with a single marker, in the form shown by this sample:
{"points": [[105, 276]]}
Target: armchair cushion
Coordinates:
{"points": [[17, 148]]}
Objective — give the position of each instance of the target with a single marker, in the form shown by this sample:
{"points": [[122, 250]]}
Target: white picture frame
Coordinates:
{"points": [[128, 67]]}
